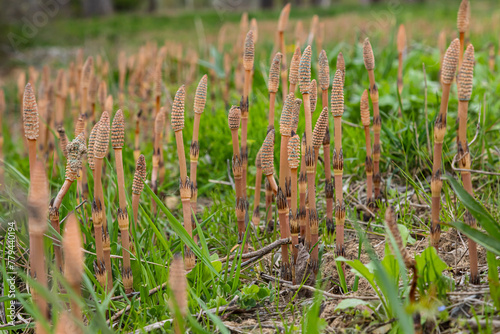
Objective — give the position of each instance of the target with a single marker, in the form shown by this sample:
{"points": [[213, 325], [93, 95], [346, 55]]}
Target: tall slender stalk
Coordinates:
{"points": [[442, 49], [465, 77], [369, 60], [138, 185], [178, 285], [303, 224], [258, 184], [282, 23], [73, 261], [273, 84], [37, 211], [293, 149], [31, 124], [200, 99], [337, 109], [248, 60], [364, 107], [294, 70], [448, 69], [401, 44], [177, 120]]}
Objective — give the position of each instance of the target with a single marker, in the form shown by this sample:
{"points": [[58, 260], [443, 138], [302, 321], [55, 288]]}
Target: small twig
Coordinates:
{"points": [[261, 252], [469, 170], [351, 124]]}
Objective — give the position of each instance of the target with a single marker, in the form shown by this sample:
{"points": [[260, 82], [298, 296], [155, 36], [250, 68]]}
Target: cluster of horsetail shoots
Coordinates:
{"points": [[448, 69], [465, 77], [177, 121], [337, 109], [369, 61]]}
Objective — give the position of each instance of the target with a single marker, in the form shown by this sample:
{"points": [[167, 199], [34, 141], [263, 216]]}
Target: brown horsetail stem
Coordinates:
{"points": [[117, 141], [369, 61], [392, 227], [364, 108], [157, 151], [31, 123], [274, 80], [177, 121], [401, 44], [37, 212], [463, 27], [76, 151], [267, 156], [200, 99], [304, 227], [294, 70], [448, 69], [282, 23], [138, 185], [324, 83], [282, 206], [248, 60], [73, 262], [293, 163], [258, 184], [178, 285], [465, 77], [337, 108]]}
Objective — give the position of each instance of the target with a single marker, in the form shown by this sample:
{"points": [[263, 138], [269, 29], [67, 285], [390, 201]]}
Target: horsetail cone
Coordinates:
{"points": [[177, 116], [30, 114], [337, 98], [118, 130], [200, 98], [92, 140], [313, 91], [234, 118], [293, 76], [178, 284], [248, 54], [80, 125], [73, 255], [341, 64], [324, 71], [274, 73], [294, 151], [267, 153], [392, 226], [365, 109], [63, 140], [76, 150], [102, 139], [463, 16], [160, 121], [368, 57], [305, 71], [296, 114], [286, 119], [465, 75], [320, 129], [450, 62], [283, 20], [139, 175]]}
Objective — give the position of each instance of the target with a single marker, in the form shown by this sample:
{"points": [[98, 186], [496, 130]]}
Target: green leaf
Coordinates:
{"points": [[490, 243], [350, 303], [483, 217], [493, 279], [430, 265]]}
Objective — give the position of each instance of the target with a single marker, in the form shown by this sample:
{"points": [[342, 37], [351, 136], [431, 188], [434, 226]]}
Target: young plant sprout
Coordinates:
{"points": [[294, 70], [463, 27], [465, 77], [31, 123], [267, 156], [448, 69], [274, 80], [364, 107]]}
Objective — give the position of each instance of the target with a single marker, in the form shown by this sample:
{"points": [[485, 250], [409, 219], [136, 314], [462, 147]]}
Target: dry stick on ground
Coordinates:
{"points": [[283, 208], [248, 60], [185, 184], [200, 99], [138, 185], [117, 140], [98, 206], [178, 285], [76, 151], [258, 184], [463, 27], [364, 107], [392, 226], [448, 69], [337, 108], [324, 83], [465, 77], [31, 123], [293, 162], [282, 23], [157, 147], [293, 77], [273, 84], [73, 261], [37, 211], [369, 61], [401, 41]]}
